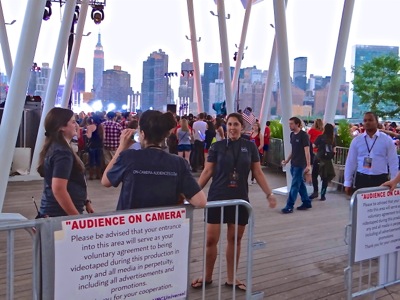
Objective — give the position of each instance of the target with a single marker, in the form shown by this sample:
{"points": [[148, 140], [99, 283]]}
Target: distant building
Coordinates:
{"points": [[362, 54], [154, 84], [98, 68], [211, 71], [42, 78], [300, 73], [186, 84], [78, 86], [116, 87]]}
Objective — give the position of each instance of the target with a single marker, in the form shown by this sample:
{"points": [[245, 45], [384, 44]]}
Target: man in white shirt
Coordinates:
{"points": [[199, 134], [372, 157]]}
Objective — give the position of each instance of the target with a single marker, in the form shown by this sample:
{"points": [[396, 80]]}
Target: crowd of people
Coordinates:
{"points": [[172, 148]]}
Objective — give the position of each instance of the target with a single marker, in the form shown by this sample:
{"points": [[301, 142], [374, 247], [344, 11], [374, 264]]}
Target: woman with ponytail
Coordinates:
{"points": [[151, 177], [65, 191]]}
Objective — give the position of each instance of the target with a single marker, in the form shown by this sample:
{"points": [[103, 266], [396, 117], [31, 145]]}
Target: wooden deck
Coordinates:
{"points": [[304, 257]]}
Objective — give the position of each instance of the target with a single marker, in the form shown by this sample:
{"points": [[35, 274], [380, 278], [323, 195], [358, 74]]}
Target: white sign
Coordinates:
{"points": [[128, 256], [378, 224]]}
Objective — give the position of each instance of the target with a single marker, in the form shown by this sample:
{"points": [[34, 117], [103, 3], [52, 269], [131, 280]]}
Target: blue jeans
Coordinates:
{"points": [[297, 187]]}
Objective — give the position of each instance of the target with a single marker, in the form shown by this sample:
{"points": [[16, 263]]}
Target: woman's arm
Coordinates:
{"points": [[125, 141], [262, 182], [261, 141], [59, 189], [206, 174]]}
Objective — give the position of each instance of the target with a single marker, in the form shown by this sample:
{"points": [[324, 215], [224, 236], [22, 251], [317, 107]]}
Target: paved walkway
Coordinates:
{"points": [[304, 257]]}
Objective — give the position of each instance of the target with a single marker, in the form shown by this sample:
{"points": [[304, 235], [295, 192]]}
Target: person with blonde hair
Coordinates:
{"points": [[184, 134]]}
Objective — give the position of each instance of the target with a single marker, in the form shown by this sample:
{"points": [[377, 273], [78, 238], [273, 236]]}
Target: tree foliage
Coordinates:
{"points": [[377, 83]]}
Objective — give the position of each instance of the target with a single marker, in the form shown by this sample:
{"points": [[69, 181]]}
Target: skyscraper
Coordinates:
{"points": [[78, 86], [98, 68], [300, 72], [361, 55], [210, 75], [116, 87], [154, 84]]}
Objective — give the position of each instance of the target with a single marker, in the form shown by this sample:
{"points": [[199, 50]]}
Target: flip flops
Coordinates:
{"points": [[198, 284], [238, 286]]}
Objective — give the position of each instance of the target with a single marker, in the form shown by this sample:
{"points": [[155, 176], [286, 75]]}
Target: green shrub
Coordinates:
{"points": [[344, 136], [276, 129]]}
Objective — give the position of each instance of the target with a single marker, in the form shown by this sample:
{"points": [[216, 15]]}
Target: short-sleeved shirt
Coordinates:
{"points": [[59, 163], [183, 137], [112, 132], [223, 154], [299, 141], [150, 178]]}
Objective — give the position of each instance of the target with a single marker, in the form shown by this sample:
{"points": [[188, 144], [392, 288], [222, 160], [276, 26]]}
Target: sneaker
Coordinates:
{"points": [[313, 195], [322, 198], [304, 206], [287, 210]]}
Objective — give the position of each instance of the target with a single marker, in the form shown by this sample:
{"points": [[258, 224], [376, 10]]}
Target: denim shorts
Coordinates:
{"points": [[183, 147]]}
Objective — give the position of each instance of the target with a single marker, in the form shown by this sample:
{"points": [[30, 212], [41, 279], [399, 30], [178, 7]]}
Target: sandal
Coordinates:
{"points": [[238, 286], [198, 283]]}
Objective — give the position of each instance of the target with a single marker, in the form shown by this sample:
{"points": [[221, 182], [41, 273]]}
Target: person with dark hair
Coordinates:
{"points": [[322, 164], [199, 133], [267, 140], [94, 134], [219, 129], [210, 137], [151, 177], [371, 159], [300, 157], [112, 131], [65, 191], [229, 163]]}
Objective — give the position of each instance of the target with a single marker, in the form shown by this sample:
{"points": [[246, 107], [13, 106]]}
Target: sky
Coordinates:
{"points": [[133, 29]]}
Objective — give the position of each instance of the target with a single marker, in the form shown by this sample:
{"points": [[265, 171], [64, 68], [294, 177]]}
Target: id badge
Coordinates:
{"points": [[367, 162], [233, 179]]}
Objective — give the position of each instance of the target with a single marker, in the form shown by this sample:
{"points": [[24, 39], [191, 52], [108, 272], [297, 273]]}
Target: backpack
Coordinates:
{"points": [[328, 153]]}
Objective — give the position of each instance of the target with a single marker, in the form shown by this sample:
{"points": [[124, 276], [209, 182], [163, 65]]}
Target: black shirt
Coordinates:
{"points": [[223, 154], [299, 141], [58, 163], [150, 178], [321, 143]]}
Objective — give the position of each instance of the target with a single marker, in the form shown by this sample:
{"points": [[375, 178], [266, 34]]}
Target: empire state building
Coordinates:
{"points": [[98, 68]]}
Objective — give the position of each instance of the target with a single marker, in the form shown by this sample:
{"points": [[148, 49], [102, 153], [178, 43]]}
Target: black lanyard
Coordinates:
{"points": [[369, 150], [236, 154]]}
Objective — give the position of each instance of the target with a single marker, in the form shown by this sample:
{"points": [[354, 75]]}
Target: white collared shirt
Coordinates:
{"points": [[383, 154]]}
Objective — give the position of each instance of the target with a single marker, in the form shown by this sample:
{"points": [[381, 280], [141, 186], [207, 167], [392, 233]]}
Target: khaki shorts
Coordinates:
{"points": [[108, 155]]}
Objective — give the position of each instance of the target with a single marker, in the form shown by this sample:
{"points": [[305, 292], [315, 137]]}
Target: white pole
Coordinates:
{"points": [[334, 86], [239, 56], [75, 53], [284, 75], [195, 53], [225, 55], [5, 46], [54, 79], [16, 95], [266, 102]]}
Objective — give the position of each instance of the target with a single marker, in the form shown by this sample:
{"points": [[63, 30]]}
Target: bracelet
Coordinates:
{"points": [[87, 201]]}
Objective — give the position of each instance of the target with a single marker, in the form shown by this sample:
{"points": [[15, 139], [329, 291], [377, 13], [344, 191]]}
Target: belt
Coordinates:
{"points": [[371, 176]]}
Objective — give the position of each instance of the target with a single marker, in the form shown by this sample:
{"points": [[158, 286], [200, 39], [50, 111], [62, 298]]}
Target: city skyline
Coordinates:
{"points": [[312, 32]]}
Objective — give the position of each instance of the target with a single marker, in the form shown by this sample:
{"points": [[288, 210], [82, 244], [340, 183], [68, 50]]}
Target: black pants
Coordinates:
{"points": [[314, 175], [364, 181], [198, 155]]}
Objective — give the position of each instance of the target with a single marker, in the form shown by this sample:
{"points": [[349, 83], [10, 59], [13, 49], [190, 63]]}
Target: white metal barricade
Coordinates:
{"points": [[11, 232], [70, 254], [373, 236]]}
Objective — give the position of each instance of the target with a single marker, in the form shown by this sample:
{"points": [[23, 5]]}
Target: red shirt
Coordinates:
{"points": [[314, 133], [267, 135]]}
